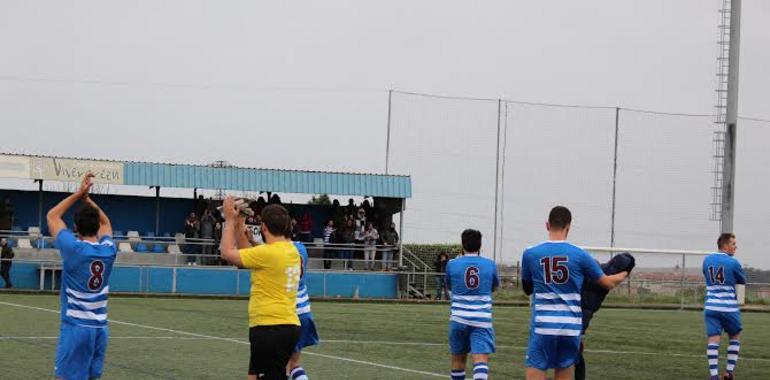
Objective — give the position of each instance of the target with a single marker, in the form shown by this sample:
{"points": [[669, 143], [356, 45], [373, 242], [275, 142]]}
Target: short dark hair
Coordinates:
{"points": [[276, 219], [471, 240], [724, 239], [559, 218], [87, 220]]}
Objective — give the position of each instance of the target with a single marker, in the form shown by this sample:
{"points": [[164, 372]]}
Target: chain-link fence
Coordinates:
{"points": [[631, 177]]}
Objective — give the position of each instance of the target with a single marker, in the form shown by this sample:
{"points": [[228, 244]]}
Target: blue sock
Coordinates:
{"points": [[732, 354], [480, 371], [458, 374], [712, 353], [298, 374]]}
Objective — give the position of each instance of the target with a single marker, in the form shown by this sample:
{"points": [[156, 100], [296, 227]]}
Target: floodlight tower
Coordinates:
{"points": [[726, 114]]}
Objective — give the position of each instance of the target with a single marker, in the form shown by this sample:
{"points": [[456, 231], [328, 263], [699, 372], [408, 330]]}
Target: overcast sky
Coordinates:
{"points": [[303, 85]]}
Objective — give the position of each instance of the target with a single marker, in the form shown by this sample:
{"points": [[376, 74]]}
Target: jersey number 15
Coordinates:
{"points": [[555, 269]]}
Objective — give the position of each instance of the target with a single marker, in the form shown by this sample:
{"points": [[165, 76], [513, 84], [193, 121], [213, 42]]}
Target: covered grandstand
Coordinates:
{"points": [[148, 229]]}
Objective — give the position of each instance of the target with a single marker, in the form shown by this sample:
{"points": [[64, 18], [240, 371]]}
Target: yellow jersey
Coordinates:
{"points": [[275, 273]]}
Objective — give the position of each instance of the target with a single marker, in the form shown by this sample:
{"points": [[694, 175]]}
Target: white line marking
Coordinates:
{"points": [[194, 336], [238, 341]]}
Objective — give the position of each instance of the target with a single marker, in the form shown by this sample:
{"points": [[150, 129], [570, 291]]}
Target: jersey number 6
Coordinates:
{"points": [[555, 269], [472, 277]]}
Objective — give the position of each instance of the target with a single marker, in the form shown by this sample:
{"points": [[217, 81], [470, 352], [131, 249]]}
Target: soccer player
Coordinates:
{"points": [[274, 327], [308, 335], [471, 279], [554, 271], [721, 312], [86, 267]]}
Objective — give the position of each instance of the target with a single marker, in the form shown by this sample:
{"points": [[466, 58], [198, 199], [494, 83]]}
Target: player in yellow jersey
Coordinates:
{"points": [[274, 328]]}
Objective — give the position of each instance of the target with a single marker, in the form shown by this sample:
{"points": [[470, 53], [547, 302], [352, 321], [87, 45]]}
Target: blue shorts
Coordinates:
{"points": [[550, 351], [308, 335], [476, 340], [717, 321], [80, 352]]}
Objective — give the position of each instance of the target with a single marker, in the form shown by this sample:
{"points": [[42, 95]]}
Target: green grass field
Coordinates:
{"points": [[155, 338]]}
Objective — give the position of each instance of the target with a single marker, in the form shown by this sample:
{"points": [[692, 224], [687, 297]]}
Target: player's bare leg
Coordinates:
{"points": [[294, 369], [252, 377], [535, 374], [458, 365], [564, 373]]}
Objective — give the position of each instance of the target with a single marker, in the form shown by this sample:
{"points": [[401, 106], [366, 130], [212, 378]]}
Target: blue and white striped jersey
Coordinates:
{"points": [[722, 273], [472, 279], [85, 278], [556, 270], [303, 300]]}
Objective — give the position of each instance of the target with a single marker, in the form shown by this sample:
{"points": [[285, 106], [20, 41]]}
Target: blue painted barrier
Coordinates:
{"points": [[217, 281]]}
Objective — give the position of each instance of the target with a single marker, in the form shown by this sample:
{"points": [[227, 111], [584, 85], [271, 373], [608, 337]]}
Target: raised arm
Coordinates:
{"points": [[105, 226], [227, 246], [54, 216]]}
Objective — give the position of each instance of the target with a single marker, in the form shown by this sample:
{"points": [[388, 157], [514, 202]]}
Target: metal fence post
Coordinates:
{"points": [[684, 268]]}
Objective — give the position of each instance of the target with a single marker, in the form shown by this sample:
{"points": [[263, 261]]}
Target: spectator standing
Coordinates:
{"points": [[389, 238], [5, 266], [305, 228], [328, 235], [344, 235], [370, 245], [207, 226], [191, 231], [440, 267]]}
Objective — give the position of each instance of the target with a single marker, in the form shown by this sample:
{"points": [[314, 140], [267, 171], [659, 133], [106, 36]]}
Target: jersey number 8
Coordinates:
{"points": [[97, 275], [555, 269]]}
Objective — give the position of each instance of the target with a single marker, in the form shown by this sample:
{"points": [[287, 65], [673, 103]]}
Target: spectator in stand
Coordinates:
{"points": [[358, 237], [207, 226], [294, 230], [351, 208], [440, 267], [344, 235], [254, 224], [305, 228], [5, 267], [6, 214], [370, 245], [191, 231], [389, 238], [328, 236]]}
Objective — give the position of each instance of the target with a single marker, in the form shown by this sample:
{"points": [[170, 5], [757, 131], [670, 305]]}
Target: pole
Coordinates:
{"points": [[157, 210], [401, 234], [387, 138], [614, 177], [681, 298], [40, 203], [497, 180], [728, 168], [502, 182]]}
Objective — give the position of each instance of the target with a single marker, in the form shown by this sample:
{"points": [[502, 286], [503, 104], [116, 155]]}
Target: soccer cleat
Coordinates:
{"points": [[729, 376]]}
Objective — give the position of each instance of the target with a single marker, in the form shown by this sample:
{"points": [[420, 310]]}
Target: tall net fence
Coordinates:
{"points": [[632, 178], [448, 148]]}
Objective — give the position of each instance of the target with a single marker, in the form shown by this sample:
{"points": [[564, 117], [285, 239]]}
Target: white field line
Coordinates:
{"points": [[194, 336], [431, 374]]}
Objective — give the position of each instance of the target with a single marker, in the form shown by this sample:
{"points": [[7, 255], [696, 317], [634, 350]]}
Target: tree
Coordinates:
{"points": [[321, 200]]}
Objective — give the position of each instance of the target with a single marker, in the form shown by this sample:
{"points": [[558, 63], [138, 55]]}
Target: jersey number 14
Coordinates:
{"points": [[717, 275]]}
